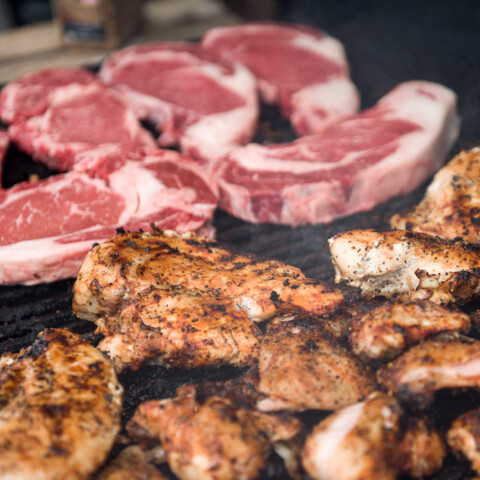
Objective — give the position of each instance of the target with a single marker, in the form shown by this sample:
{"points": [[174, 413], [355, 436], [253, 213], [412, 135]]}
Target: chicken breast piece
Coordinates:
{"points": [[463, 437], [355, 443], [179, 328], [301, 368], [385, 330], [413, 265], [210, 437], [60, 407], [450, 207], [130, 263], [430, 366]]}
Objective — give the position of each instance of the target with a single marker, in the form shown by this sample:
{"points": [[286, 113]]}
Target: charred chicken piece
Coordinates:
{"points": [[387, 329], [132, 262], [430, 366], [60, 407], [131, 464], [301, 368], [450, 206], [412, 265], [355, 443], [463, 437], [178, 328], [211, 437]]}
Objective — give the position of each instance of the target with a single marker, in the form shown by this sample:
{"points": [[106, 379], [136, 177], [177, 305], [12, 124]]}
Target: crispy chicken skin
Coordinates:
{"points": [[450, 206], [355, 443], [60, 407], [463, 437], [131, 464], [413, 265], [384, 331], [301, 368], [211, 438], [132, 262], [179, 328], [430, 366]]}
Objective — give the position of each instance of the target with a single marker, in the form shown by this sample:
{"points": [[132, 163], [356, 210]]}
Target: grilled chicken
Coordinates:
{"points": [[430, 366], [450, 207], [60, 406], [302, 368], [130, 263], [464, 437], [131, 464], [179, 328], [387, 329], [210, 437], [413, 265], [355, 443]]}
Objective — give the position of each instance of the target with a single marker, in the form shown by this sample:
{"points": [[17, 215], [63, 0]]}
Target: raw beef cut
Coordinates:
{"points": [[151, 186], [205, 108], [29, 95], [81, 120], [300, 68], [4, 143], [349, 167]]}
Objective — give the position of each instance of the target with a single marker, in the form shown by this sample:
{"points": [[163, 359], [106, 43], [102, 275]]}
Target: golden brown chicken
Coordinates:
{"points": [[209, 436], [432, 365], [130, 263], [60, 407], [385, 330], [178, 328], [413, 265], [302, 368], [450, 207]]}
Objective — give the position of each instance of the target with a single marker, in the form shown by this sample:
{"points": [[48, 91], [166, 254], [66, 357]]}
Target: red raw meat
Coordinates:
{"points": [[205, 108], [49, 225], [302, 69], [81, 121], [350, 167], [29, 95]]}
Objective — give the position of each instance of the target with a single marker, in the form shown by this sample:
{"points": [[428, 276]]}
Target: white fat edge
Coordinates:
{"points": [[327, 441], [326, 46], [239, 199]]}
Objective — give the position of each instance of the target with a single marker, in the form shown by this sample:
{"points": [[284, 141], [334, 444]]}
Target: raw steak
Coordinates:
{"points": [[4, 143], [151, 186], [29, 95], [205, 108], [350, 167], [300, 68], [81, 120]]}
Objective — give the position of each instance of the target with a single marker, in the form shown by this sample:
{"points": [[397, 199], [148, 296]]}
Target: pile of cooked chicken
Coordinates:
{"points": [[371, 366]]}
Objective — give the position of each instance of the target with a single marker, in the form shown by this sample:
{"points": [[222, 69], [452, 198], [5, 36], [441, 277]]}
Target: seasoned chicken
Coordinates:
{"points": [[301, 368], [355, 443], [430, 366], [451, 206], [413, 265], [420, 450], [463, 437], [178, 328], [131, 464], [210, 437], [130, 263], [60, 407], [385, 330]]}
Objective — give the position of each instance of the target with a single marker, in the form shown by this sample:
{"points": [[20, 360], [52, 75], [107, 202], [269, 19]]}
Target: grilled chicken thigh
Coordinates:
{"points": [[385, 330], [178, 328], [450, 207], [432, 365], [210, 437], [60, 407], [355, 443], [412, 265], [464, 437], [301, 368], [130, 263]]}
